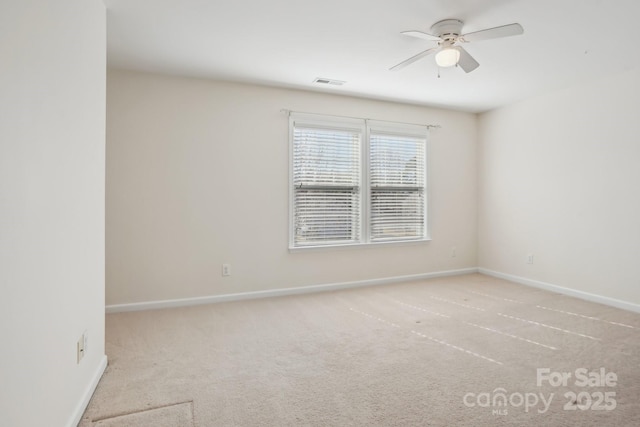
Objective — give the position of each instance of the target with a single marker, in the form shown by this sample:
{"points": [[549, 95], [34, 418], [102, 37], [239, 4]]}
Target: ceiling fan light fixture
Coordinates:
{"points": [[447, 57]]}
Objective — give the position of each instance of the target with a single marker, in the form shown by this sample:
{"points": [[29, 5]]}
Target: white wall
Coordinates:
{"points": [[52, 108], [559, 178], [197, 175]]}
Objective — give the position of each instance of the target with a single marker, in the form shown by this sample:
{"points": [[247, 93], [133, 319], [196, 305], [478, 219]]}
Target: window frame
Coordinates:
{"points": [[366, 127]]}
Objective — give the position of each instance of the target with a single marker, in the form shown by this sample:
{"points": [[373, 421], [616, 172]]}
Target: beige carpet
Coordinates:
{"points": [[178, 415], [452, 351]]}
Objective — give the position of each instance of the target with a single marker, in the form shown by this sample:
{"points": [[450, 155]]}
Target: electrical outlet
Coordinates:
{"points": [[530, 259], [80, 348], [226, 269], [82, 345]]}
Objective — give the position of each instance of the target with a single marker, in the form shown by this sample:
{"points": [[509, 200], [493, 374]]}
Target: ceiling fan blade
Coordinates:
{"points": [[414, 59], [421, 35], [494, 33], [466, 61]]}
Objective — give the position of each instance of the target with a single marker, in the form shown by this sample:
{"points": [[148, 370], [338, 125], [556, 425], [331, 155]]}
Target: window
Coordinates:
{"points": [[356, 181], [326, 185], [397, 185]]}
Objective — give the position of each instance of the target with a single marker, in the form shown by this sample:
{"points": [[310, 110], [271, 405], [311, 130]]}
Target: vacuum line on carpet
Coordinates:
{"points": [[494, 297], [427, 337], [375, 318], [509, 335], [477, 326], [456, 303], [585, 317], [420, 308], [550, 327], [456, 347]]}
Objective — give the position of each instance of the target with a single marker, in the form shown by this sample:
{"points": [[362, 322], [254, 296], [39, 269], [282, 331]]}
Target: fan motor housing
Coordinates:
{"points": [[447, 28]]}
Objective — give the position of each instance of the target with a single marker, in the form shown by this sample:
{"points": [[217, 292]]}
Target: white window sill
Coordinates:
{"points": [[359, 245]]}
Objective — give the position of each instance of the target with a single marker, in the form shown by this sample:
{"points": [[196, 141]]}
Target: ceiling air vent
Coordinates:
{"points": [[324, 81]]}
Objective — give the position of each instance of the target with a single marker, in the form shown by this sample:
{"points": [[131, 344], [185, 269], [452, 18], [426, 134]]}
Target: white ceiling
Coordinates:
{"points": [[289, 43]]}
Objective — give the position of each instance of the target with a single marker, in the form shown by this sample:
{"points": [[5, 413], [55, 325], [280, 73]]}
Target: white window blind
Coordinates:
{"points": [[326, 180], [397, 185], [356, 181]]}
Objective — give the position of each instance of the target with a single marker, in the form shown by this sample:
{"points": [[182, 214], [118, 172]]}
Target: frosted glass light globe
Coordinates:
{"points": [[447, 57]]}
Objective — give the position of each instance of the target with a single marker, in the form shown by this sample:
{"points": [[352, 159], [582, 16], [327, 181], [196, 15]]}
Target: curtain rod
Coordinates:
{"points": [[288, 112]]}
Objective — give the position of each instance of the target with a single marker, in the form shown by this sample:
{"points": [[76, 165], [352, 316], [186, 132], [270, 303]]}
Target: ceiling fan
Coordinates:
{"points": [[449, 52]]}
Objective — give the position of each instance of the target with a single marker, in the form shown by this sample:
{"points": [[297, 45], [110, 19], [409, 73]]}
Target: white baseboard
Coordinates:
{"points": [[566, 291], [183, 302], [76, 416]]}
